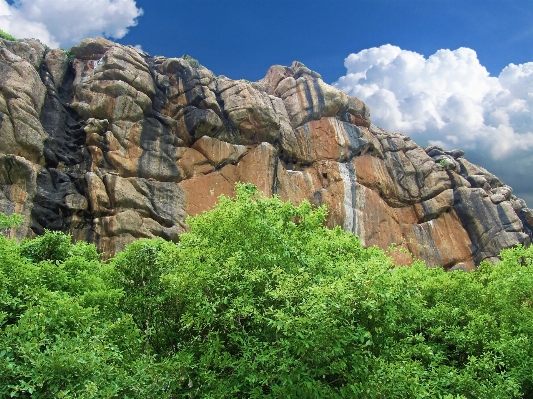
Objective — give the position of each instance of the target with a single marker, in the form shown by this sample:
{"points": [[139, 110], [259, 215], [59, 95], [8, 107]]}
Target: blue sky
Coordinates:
{"points": [[454, 73], [243, 38]]}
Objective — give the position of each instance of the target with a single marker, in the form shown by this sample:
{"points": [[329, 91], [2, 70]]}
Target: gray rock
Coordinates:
{"points": [[116, 145], [491, 227], [455, 153]]}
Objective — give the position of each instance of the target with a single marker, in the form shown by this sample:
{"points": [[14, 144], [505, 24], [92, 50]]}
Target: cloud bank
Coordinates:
{"points": [[449, 99], [63, 23]]}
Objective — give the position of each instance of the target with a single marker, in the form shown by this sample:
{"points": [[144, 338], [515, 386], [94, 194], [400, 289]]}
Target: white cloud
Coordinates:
{"points": [[66, 22], [448, 99], [13, 21]]}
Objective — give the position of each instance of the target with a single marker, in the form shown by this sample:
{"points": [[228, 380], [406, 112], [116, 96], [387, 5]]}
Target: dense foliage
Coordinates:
{"points": [[259, 300], [10, 221]]}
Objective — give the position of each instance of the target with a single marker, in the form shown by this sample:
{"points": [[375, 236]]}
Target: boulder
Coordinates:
{"points": [[91, 49]]}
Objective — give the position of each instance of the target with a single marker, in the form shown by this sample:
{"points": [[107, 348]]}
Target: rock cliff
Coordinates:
{"points": [[110, 144]]}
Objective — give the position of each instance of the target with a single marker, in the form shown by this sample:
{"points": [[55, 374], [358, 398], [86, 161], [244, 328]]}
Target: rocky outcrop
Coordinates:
{"points": [[110, 144]]}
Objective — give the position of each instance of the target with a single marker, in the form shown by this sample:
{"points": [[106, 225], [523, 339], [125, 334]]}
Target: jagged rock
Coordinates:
{"points": [[490, 226], [98, 197], [518, 203], [468, 169], [21, 100], [500, 194], [18, 186], [326, 138], [219, 153], [29, 50], [193, 163], [91, 49], [434, 150], [528, 215], [117, 145], [202, 122], [434, 207], [306, 97], [76, 202], [253, 113], [56, 62], [478, 181], [447, 162], [456, 153]]}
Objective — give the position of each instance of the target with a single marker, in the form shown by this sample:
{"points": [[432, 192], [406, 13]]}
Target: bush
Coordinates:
{"points": [[259, 299], [7, 36], [62, 333], [191, 61], [52, 246], [70, 56], [13, 220], [272, 304], [138, 274]]}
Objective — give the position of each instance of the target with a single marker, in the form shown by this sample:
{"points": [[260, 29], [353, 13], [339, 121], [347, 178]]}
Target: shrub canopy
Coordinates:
{"points": [[259, 299]]}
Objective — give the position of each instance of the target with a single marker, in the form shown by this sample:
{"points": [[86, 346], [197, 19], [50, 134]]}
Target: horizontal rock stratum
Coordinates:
{"points": [[110, 145]]}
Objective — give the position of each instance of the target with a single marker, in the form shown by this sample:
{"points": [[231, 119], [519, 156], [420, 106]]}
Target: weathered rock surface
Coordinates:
{"points": [[117, 145]]}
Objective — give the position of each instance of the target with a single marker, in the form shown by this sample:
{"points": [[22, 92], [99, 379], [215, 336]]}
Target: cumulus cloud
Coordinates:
{"points": [[449, 99], [63, 23]]}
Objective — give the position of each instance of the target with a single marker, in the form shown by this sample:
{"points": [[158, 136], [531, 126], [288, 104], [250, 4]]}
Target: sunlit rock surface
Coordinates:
{"points": [[115, 145]]}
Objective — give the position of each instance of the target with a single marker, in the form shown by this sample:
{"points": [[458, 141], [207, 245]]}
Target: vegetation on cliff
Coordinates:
{"points": [[7, 36], [259, 300]]}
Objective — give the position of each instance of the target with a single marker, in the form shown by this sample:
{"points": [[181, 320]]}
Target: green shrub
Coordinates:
{"points": [[138, 273], [272, 304], [62, 333], [13, 220], [52, 246], [191, 61], [70, 56], [259, 299], [7, 36]]}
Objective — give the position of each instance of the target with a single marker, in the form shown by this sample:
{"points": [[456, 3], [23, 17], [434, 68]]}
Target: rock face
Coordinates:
{"points": [[115, 145]]}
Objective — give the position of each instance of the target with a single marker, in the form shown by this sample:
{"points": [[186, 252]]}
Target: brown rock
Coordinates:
{"points": [[327, 138], [21, 101], [259, 167], [273, 77], [434, 207], [144, 142], [251, 112], [194, 163], [98, 199], [307, 97], [441, 242], [201, 192], [18, 186], [219, 153]]}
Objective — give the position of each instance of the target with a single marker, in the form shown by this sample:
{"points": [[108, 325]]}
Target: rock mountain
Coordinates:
{"points": [[110, 145]]}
